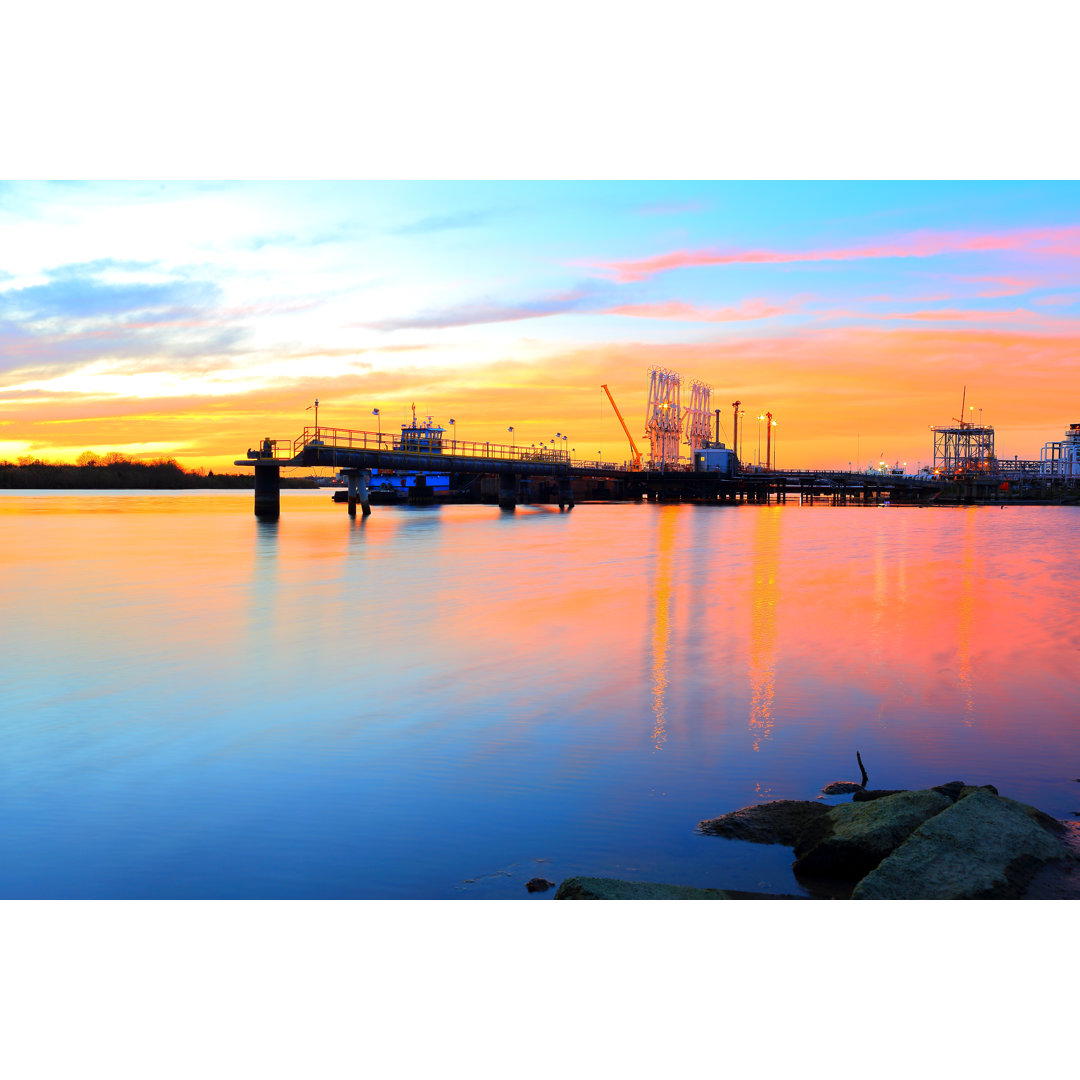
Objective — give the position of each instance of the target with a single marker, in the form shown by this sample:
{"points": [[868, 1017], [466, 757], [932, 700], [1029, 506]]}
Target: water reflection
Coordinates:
{"points": [[965, 617], [193, 707], [762, 652], [666, 529]]}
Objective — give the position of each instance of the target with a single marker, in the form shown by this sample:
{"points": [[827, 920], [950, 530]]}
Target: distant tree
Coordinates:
{"points": [[87, 457]]}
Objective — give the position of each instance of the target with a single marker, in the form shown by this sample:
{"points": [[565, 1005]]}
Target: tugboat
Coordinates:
{"points": [[422, 438], [391, 485]]}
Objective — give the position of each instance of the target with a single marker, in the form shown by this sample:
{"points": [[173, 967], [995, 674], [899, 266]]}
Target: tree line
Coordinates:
{"points": [[116, 470]]}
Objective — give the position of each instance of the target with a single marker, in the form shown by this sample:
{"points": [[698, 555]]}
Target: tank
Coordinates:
{"points": [[715, 459]]}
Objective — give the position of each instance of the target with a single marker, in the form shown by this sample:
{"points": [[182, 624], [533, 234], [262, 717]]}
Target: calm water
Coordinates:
{"points": [[446, 702]]}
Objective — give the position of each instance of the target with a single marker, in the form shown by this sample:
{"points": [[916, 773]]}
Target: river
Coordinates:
{"points": [[446, 702]]}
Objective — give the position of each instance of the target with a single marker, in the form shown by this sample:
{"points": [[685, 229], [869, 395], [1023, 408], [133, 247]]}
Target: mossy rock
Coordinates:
{"points": [[781, 821], [587, 888], [854, 837], [981, 847]]}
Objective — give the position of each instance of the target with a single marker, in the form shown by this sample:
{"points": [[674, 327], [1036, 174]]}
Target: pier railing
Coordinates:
{"points": [[423, 446]]}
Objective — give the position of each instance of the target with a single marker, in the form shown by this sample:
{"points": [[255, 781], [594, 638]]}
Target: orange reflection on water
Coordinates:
{"points": [[762, 650], [965, 618], [665, 541]]}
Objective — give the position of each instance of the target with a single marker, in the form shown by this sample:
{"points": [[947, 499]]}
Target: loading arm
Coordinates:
{"points": [[635, 464]]}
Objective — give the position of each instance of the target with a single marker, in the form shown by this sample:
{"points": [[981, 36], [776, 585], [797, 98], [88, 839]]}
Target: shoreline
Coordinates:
{"points": [[951, 842]]}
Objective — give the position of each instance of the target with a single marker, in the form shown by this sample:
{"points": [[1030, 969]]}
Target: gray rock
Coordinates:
{"points": [[586, 888], [841, 787], [782, 821], [980, 847], [969, 788], [952, 789], [539, 884], [856, 836], [875, 793]]}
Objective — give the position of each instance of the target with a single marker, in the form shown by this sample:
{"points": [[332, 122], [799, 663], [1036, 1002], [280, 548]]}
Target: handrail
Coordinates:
{"points": [[423, 444]]}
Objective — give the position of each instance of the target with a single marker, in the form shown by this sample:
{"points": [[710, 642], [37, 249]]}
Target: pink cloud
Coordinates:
{"points": [[957, 315], [1033, 320], [997, 285], [1057, 299], [1052, 241], [677, 309]]}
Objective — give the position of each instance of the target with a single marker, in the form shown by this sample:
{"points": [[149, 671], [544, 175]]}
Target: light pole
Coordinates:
{"points": [[760, 418], [316, 408], [378, 417], [453, 433], [513, 438], [774, 448]]}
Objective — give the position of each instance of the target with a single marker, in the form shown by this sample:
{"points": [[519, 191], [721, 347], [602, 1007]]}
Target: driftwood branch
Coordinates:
{"points": [[862, 769]]}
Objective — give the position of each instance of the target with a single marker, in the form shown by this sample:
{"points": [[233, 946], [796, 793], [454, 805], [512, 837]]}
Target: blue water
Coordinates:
{"points": [[446, 702]]}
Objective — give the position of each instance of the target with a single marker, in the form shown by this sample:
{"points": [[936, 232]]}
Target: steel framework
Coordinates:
{"points": [[964, 451], [663, 418], [697, 416]]}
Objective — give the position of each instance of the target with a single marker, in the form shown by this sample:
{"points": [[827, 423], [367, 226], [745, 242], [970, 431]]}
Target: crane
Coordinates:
{"points": [[635, 464], [963, 402]]}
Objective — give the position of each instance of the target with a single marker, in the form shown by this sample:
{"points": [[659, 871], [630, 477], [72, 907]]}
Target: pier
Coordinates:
{"points": [[527, 473]]}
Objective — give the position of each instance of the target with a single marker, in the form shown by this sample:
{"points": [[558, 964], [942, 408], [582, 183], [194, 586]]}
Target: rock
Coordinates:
{"points": [[586, 888], [952, 789], [539, 884], [875, 793], [980, 847], [1059, 880], [779, 822], [841, 787], [853, 838], [969, 788]]}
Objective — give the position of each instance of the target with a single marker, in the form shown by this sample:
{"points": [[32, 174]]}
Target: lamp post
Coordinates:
{"points": [[378, 417], [316, 408], [760, 418], [773, 424], [453, 433], [513, 438]]}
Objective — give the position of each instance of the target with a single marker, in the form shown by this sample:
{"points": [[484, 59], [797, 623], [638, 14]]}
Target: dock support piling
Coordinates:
{"points": [[268, 492], [363, 480], [507, 491], [351, 478]]}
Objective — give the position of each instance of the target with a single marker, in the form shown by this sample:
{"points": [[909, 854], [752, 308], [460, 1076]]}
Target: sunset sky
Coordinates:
{"points": [[189, 320]]}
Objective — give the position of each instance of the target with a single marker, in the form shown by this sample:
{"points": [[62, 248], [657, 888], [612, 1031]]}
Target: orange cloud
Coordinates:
{"points": [[1064, 240], [835, 392]]}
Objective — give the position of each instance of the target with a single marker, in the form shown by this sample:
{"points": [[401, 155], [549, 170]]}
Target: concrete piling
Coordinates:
{"points": [[268, 492], [363, 481], [507, 491]]}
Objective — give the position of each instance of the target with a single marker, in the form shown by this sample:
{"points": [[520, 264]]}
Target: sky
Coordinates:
{"points": [[191, 319]]}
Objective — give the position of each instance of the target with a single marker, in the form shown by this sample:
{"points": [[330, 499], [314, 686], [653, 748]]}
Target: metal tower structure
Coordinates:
{"points": [[967, 450], [697, 417], [663, 418]]}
